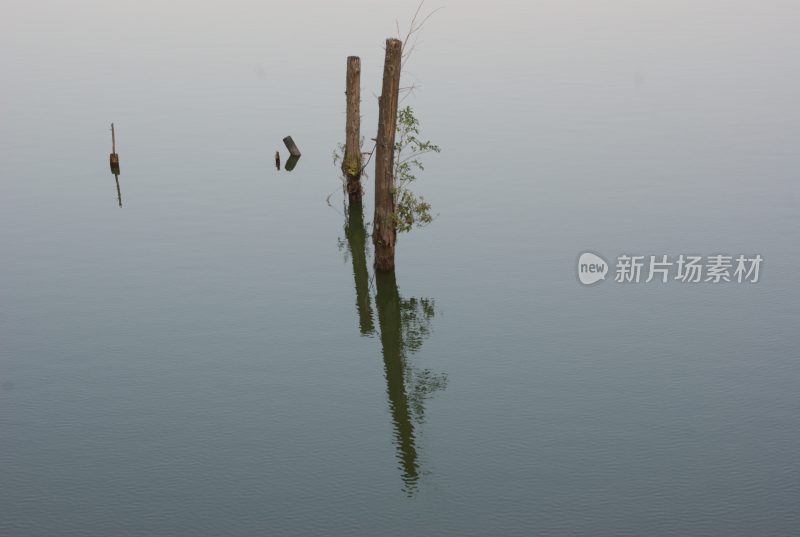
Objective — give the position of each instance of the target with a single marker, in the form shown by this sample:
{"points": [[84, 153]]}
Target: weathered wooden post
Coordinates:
{"points": [[277, 160], [351, 162], [113, 158], [384, 232]]}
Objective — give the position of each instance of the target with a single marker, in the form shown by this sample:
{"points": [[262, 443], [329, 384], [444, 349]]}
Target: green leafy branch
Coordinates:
{"points": [[411, 210]]}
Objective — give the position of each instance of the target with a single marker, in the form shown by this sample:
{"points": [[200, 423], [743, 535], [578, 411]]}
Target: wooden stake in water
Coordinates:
{"points": [[351, 160], [113, 159], [384, 232]]}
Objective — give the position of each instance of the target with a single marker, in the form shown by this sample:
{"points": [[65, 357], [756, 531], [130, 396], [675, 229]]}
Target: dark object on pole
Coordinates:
{"points": [[384, 231], [290, 145], [351, 162]]}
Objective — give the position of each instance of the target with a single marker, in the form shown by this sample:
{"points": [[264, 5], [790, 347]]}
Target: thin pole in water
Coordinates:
{"points": [[113, 158]]}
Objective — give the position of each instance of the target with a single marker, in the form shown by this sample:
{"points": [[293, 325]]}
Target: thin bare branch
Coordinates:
{"points": [[364, 167], [414, 27], [409, 42]]}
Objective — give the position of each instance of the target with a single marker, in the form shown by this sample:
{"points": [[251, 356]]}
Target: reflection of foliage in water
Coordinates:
{"points": [[342, 245], [422, 383], [403, 324], [415, 324], [415, 321]]}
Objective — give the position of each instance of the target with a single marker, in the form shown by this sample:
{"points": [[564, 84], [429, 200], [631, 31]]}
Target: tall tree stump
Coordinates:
{"points": [[384, 232], [351, 162]]}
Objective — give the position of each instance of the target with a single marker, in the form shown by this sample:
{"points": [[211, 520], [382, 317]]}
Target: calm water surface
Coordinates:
{"points": [[216, 356]]}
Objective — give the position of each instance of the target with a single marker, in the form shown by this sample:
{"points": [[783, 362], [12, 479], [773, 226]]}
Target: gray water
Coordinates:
{"points": [[216, 356]]}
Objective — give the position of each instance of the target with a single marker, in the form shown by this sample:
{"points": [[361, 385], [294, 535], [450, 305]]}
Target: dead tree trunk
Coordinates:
{"points": [[384, 232], [351, 163]]}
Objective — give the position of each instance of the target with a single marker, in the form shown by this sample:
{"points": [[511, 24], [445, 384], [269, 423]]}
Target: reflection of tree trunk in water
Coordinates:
{"points": [[356, 235], [390, 319]]}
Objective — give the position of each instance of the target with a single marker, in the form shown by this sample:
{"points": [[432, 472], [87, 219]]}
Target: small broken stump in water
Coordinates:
{"points": [[290, 145]]}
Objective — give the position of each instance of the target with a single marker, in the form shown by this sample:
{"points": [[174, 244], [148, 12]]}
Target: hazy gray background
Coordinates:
{"points": [[190, 364]]}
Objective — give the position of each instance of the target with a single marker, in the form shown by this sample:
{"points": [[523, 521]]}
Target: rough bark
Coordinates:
{"points": [[351, 161], [384, 233]]}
